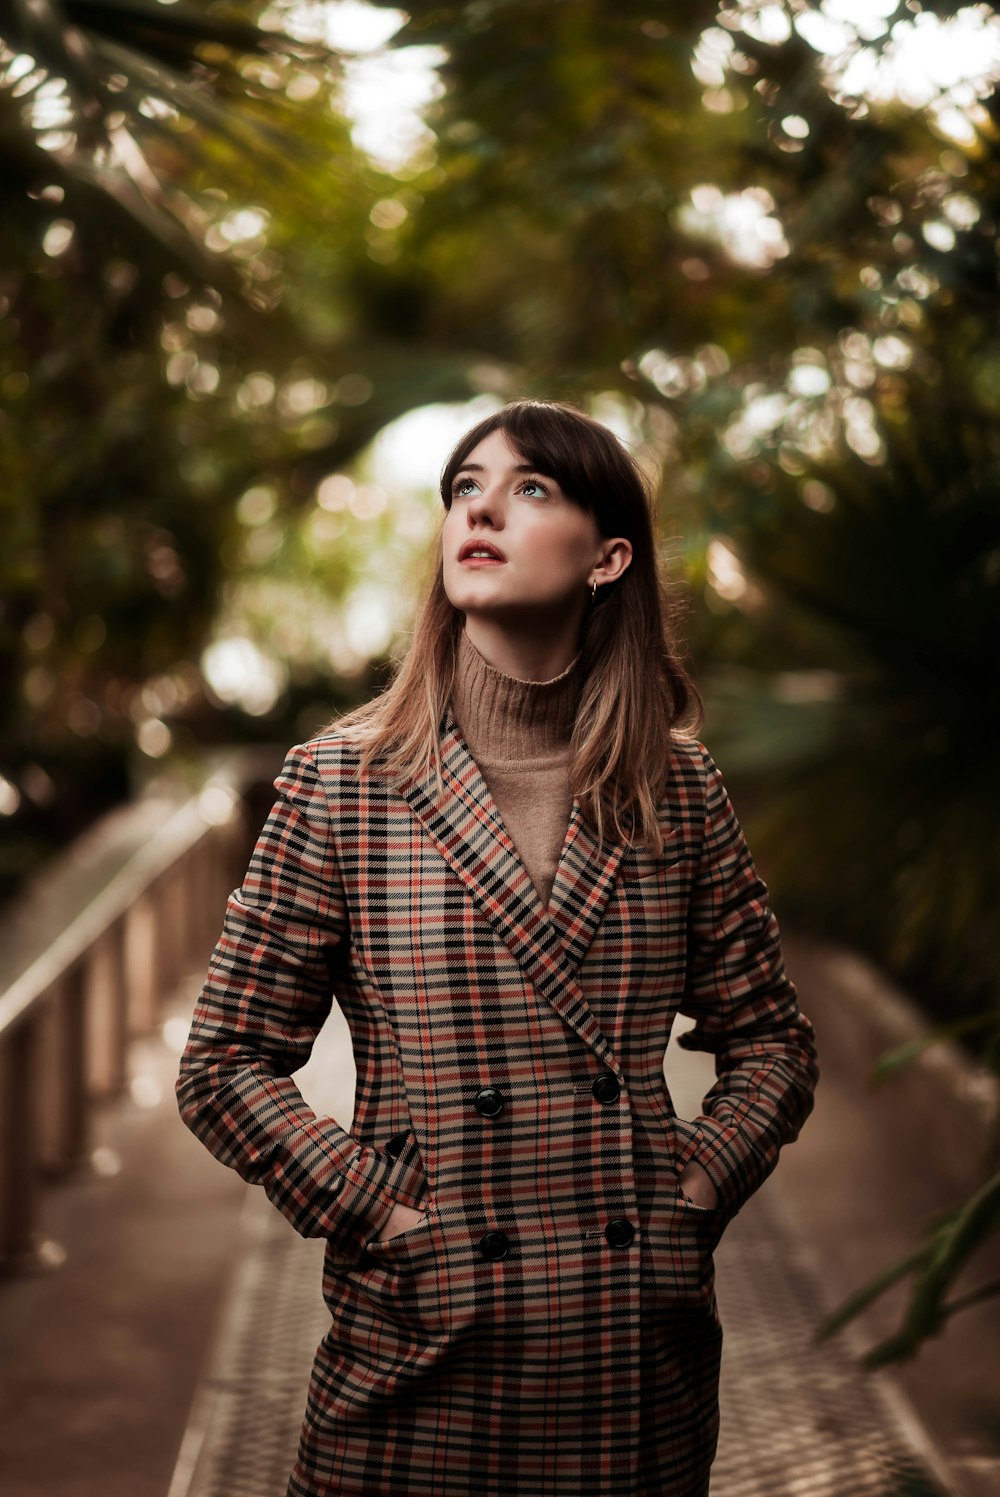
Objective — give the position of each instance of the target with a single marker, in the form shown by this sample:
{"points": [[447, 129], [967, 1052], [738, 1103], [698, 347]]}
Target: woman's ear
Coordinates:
{"points": [[616, 556]]}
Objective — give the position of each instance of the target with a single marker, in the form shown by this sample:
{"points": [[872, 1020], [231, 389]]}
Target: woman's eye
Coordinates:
{"points": [[533, 487]]}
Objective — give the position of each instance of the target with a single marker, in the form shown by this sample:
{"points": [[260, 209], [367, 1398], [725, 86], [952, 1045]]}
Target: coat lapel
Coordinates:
{"points": [[468, 830], [583, 883]]}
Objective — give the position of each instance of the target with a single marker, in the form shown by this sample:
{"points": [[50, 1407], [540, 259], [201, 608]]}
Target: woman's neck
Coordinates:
{"points": [[508, 721], [529, 653]]}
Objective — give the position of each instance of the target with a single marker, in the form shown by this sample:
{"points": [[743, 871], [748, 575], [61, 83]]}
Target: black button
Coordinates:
{"points": [[494, 1245], [396, 1144], [619, 1232], [606, 1088], [489, 1101]]}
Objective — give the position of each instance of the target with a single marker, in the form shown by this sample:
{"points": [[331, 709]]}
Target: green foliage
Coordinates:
{"points": [[948, 1242], [816, 376], [819, 390], [935, 1264], [157, 359], [112, 105], [894, 1060], [890, 599], [211, 302]]}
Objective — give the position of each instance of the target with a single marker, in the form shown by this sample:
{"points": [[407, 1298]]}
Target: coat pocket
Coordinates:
{"points": [[680, 1240], [410, 1248], [402, 1280]]}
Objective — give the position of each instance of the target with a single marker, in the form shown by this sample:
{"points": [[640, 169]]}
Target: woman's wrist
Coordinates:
{"points": [[695, 1185], [400, 1219]]}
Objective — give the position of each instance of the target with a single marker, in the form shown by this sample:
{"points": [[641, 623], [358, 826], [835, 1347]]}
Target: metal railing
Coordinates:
{"points": [[87, 957]]}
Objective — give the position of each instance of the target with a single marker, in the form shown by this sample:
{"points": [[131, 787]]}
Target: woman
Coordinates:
{"points": [[513, 869]]}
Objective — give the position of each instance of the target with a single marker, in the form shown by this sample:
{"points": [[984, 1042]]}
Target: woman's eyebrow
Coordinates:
{"points": [[478, 468]]}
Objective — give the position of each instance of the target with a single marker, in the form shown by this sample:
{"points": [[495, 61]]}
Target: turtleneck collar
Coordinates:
{"points": [[504, 720]]}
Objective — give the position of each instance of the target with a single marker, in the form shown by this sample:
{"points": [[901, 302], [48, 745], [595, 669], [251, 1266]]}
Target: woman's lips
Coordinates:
{"points": [[480, 554]]}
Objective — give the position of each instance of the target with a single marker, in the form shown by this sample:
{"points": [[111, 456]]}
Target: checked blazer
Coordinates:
{"points": [[549, 1327]]}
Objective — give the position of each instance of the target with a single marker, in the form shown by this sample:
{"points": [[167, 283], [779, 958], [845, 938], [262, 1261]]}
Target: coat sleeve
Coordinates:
{"points": [[266, 995], [746, 1011]]}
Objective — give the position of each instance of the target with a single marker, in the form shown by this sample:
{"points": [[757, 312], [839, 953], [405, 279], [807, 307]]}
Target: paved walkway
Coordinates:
{"points": [[170, 1351], [795, 1420], [100, 1355]]}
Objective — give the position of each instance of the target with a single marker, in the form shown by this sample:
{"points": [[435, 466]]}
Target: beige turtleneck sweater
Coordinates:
{"points": [[519, 734]]}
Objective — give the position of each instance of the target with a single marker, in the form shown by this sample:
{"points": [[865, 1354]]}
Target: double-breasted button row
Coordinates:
{"points": [[495, 1245], [490, 1099]]}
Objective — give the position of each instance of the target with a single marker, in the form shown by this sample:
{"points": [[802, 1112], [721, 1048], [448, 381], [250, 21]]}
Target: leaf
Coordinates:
{"points": [[935, 1264], [863, 1297], [893, 1060]]}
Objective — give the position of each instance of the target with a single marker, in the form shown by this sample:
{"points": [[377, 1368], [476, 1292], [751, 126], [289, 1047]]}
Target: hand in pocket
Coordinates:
{"points": [[400, 1219], [694, 1183]]}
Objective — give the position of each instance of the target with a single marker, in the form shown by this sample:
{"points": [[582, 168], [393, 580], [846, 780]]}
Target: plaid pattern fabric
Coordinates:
{"points": [[550, 1326]]}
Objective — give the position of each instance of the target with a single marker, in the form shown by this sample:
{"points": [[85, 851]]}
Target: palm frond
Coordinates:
{"points": [[84, 87]]}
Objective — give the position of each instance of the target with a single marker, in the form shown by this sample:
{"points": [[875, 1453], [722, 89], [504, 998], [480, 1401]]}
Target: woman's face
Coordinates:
{"points": [[513, 541]]}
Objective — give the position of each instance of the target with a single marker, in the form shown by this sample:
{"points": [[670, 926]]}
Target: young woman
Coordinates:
{"points": [[513, 870]]}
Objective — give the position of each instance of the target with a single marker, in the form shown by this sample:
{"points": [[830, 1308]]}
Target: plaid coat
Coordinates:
{"points": [[550, 1326]]}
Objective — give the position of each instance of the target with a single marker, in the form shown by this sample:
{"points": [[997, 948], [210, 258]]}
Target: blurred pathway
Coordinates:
{"points": [[170, 1351], [100, 1356], [794, 1420]]}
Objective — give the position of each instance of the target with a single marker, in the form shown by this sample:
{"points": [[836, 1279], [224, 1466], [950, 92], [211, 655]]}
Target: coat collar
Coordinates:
{"points": [[549, 945]]}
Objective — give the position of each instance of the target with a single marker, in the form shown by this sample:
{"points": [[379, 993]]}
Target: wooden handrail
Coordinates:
{"points": [[88, 953]]}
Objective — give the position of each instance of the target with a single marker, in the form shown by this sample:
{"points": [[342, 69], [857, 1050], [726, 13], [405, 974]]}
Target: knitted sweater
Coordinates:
{"points": [[519, 734]]}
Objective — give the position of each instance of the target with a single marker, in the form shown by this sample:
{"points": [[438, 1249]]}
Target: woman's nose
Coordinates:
{"points": [[486, 508]]}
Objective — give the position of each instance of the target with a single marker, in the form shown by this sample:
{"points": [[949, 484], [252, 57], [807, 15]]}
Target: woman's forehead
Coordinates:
{"points": [[496, 449]]}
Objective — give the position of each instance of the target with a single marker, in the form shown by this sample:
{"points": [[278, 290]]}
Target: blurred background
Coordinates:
{"points": [[261, 264]]}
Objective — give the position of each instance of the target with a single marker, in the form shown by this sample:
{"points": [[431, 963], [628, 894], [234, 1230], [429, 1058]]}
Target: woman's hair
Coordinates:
{"points": [[635, 689]]}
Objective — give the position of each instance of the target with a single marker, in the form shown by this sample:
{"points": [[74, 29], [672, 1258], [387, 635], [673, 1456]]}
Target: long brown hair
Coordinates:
{"points": [[635, 692]]}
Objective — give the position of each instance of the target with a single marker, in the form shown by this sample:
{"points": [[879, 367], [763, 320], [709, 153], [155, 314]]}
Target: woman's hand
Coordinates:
{"points": [[694, 1183], [400, 1219]]}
